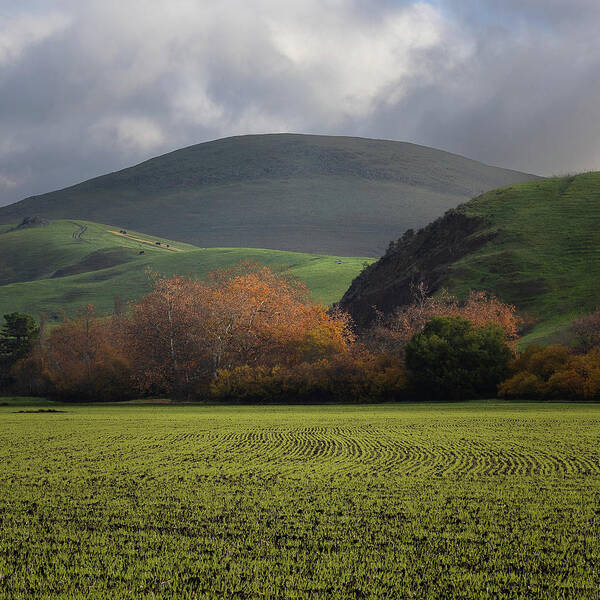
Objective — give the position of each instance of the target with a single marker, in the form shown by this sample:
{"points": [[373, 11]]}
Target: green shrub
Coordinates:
{"points": [[453, 359]]}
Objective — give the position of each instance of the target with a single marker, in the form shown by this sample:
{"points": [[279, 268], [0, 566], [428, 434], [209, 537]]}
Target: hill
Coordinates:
{"points": [[333, 195], [536, 245], [66, 264]]}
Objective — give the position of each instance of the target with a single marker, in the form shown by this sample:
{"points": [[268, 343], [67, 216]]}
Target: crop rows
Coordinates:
{"points": [[476, 500]]}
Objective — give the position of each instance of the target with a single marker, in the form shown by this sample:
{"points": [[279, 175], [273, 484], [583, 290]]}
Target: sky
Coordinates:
{"points": [[89, 87]]}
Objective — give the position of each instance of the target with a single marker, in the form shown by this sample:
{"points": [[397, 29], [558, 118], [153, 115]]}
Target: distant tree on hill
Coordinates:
{"points": [[586, 331], [451, 358]]}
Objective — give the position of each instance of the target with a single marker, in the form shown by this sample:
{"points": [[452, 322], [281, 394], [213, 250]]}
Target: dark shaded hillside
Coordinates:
{"points": [[336, 195], [536, 245], [422, 257]]}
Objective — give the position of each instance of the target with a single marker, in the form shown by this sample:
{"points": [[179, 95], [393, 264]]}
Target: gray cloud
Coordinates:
{"points": [[86, 88]]}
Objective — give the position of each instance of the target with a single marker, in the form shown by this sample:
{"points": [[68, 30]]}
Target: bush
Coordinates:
{"points": [[82, 361], [553, 372], [453, 359], [362, 378], [522, 385]]}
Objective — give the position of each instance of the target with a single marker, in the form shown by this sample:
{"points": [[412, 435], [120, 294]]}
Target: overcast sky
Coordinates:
{"points": [[91, 86]]}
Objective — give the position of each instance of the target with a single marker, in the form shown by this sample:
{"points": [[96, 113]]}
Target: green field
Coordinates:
{"points": [[302, 193], [67, 264], [475, 500]]}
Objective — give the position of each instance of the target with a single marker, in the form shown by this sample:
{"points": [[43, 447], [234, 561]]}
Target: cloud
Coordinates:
{"points": [[20, 32], [98, 85], [135, 134], [7, 182]]}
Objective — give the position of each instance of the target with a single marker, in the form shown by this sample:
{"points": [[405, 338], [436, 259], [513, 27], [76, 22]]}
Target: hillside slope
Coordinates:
{"points": [[536, 245], [66, 264], [335, 195]]}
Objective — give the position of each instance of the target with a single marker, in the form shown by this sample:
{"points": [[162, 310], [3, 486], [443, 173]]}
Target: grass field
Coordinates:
{"points": [[68, 264], [475, 500]]}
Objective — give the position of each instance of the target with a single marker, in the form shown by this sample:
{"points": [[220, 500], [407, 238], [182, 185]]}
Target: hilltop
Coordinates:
{"points": [[332, 195], [536, 245], [62, 265]]}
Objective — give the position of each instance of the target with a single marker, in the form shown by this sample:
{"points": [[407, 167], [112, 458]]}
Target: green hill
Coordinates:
{"points": [[333, 195], [66, 264], [536, 245]]}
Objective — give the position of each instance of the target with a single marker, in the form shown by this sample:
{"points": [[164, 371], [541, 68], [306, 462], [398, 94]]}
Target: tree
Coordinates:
{"points": [[17, 339], [586, 331], [391, 333], [83, 359], [453, 359], [553, 372], [184, 332]]}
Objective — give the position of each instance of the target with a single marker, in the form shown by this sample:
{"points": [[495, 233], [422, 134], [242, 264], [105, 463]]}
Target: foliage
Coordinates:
{"points": [[17, 338], [485, 500], [355, 378], [453, 359], [586, 332], [82, 360], [392, 333], [553, 372], [183, 333]]}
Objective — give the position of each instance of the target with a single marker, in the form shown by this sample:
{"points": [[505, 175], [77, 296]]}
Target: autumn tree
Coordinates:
{"points": [[391, 333], [184, 332], [553, 372], [83, 359]]}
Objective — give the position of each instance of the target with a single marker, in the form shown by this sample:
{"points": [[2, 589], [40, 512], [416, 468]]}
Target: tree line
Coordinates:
{"points": [[250, 334]]}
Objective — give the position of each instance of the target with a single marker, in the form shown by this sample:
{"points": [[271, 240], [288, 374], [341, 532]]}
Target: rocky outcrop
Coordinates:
{"points": [[35, 221]]}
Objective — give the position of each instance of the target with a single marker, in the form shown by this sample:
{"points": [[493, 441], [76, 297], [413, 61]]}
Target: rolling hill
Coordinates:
{"points": [[64, 264], [332, 195], [536, 245]]}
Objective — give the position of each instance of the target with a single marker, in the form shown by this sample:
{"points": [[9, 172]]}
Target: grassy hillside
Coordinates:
{"points": [[545, 257], [536, 245], [335, 195], [70, 263]]}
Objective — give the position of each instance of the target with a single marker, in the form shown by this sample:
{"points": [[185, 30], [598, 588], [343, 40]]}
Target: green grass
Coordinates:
{"points": [[476, 500], [30, 258], [546, 256], [332, 195]]}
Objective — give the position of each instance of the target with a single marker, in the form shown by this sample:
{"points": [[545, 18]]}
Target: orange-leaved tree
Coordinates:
{"points": [[185, 331], [83, 358]]}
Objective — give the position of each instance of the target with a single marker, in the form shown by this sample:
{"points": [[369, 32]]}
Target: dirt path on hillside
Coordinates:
{"points": [[149, 242]]}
